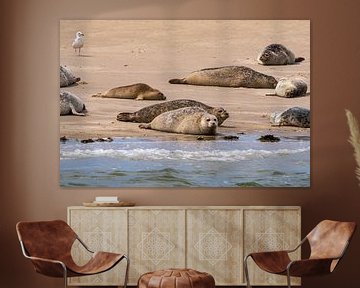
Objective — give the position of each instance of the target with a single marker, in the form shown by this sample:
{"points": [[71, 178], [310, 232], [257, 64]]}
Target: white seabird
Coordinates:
{"points": [[78, 42]]}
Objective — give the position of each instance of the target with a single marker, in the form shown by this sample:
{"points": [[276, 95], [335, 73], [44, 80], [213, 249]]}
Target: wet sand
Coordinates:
{"points": [[118, 53]]}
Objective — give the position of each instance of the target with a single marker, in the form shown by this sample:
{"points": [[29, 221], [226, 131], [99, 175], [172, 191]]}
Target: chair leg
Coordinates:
{"points": [[127, 271], [65, 275], [288, 278], [246, 272]]}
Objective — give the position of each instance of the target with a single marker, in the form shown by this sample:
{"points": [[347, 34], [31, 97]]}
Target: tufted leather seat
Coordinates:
{"points": [[176, 278]]}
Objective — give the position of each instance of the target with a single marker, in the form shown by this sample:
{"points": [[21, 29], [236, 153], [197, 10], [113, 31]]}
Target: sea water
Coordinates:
{"points": [[144, 162]]}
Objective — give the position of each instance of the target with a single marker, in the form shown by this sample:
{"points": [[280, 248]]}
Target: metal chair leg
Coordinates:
{"points": [[127, 271], [288, 278], [246, 271], [65, 275]]}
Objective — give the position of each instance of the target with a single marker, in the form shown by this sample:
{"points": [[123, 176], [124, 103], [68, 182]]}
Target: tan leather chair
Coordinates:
{"points": [[48, 245], [328, 242]]}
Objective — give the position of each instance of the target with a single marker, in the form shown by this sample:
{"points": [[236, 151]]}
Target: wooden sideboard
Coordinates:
{"points": [[211, 239]]}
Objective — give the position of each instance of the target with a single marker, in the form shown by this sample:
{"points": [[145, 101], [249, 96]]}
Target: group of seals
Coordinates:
{"points": [[193, 117], [139, 91], [67, 78], [277, 54], [71, 104], [228, 76], [188, 120], [147, 114], [295, 116]]}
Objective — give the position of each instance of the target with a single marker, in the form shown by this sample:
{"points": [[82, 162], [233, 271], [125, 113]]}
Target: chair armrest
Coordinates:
{"points": [[309, 267], [281, 251], [298, 246], [48, 267], [46, 260], [84, 245], [271, 261]]}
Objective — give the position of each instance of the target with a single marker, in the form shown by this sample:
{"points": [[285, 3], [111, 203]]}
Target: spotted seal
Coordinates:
{"points": [[228, 76], [188, 120], [67, 77], [277, 54], [295, 116], [147, 114], [71, 104], [290, 87], [139, 91]]}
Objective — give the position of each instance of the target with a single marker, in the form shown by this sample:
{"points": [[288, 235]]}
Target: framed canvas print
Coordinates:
{"points": [[184, 103]]}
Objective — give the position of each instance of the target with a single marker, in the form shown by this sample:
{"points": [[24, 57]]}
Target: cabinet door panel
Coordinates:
{"points": [[100, 230], [157, 240], [214, 244], [269, 230]]}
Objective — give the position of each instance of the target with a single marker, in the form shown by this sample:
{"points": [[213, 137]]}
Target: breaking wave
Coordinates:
{"points": [[165, 154]]}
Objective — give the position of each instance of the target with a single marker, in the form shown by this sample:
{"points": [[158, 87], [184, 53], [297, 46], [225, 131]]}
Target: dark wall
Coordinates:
{"points": [[29, 119]]}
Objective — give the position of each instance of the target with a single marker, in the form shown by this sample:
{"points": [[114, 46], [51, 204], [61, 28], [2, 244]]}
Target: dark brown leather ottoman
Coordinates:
{"points": [[176, 278]]}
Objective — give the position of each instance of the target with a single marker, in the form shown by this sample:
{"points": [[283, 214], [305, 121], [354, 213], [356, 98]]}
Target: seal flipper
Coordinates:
{"points": [[145, 126], [125, 117], [177, 81], [299, 59], [73, 111], [270, 94]]}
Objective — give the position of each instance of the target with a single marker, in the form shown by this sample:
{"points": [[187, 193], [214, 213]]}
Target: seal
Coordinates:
{"points": [[277, 54], [67, 77], [188, 120], [290, 87], [295, 116], [147, 114], [228, 76], [139, 91], [71, 104]]}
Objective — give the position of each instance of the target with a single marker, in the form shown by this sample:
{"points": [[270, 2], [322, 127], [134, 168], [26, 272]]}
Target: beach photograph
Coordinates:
{"points": [[184, 103]]}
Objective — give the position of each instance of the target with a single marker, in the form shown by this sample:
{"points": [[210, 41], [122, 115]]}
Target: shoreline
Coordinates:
{"points": [[185, 137]]}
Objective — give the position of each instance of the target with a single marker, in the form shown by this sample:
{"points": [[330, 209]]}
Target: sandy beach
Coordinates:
{"points": [[118, 53]]}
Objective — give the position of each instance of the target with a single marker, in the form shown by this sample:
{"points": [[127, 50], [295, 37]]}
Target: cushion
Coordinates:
{"points": [[176, 278]]}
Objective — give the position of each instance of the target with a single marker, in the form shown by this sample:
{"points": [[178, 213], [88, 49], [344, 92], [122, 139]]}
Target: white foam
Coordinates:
{"points": [[164, 154]]}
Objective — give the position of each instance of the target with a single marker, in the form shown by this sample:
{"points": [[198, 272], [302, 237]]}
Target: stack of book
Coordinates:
{"points": [[106, 199]]}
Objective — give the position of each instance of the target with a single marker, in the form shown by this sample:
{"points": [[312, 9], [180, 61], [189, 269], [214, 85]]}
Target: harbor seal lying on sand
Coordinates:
{"points": [[139, 91], [290, 87], [295, 116], [71, 104], [147, 114], [228, 76], [277, 54], [67, 77], [188, 120]]}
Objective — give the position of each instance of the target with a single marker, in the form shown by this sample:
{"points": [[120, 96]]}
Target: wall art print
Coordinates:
{"points": [[184, 103]]}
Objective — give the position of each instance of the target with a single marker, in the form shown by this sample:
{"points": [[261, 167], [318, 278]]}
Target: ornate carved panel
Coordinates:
{"points": [[270, 229], [101, 230], [214, 241], [156, 240]]}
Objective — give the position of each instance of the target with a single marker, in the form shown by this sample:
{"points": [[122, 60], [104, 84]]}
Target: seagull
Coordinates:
{"points": [[78, 42]]}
